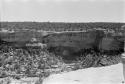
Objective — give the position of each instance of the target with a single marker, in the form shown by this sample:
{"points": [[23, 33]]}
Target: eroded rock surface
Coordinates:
{"points": [[67, 43]]}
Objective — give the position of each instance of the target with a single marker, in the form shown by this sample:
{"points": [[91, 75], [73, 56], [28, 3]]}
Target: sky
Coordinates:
{"points": [[63, 10]]}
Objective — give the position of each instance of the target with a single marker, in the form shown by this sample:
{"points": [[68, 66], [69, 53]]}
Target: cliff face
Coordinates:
{"points": [[67, 43], [76, 39], [71, 42], [111, 43]]}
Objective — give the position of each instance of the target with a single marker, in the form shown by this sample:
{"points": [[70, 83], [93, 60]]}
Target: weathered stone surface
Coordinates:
{"points": [[74, 41], [66, 43], [112, 42], [70, 42]]}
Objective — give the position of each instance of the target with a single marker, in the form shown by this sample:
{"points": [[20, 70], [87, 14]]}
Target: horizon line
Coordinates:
{"points": [[66, 21]]}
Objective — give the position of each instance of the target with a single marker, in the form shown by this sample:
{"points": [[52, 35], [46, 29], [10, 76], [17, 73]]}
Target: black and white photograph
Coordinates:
{"points": [[62, 41]]}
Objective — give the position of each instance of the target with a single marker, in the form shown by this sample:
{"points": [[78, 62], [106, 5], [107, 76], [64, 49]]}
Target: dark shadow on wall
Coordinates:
{"points": [[68, 54]]}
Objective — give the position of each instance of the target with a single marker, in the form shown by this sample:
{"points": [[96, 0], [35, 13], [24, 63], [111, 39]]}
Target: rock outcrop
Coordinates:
{"points": [[68, 43]]}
